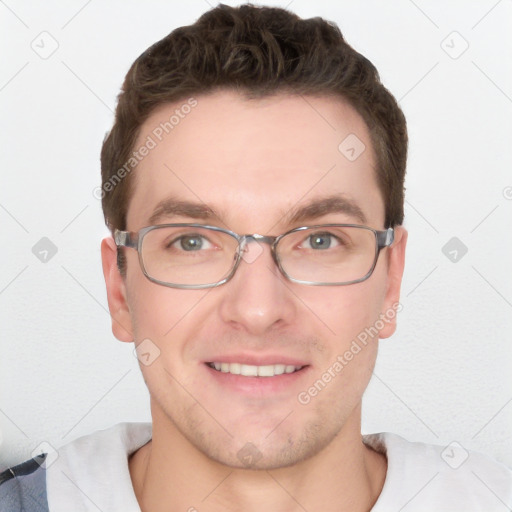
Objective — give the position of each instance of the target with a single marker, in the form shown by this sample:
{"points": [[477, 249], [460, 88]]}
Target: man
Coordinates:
{"points": [[253, 185]]}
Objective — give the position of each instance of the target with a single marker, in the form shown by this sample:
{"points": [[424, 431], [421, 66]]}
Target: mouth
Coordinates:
{"points": [[247, 370]]}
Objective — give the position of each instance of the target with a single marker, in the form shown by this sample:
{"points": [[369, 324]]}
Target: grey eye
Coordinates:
{"points": [[190, 242], [320, 240]]}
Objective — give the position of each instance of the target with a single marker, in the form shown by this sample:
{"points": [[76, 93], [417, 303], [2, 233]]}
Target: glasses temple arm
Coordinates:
{"points": [[125, 239], [385, 238]]}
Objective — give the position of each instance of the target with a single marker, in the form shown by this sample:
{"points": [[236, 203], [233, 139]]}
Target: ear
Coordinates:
{"points": [[116, 292], [396, 263]]}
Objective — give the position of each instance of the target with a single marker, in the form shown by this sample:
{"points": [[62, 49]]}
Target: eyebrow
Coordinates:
{"points": [[171, 207], [338, 203]]}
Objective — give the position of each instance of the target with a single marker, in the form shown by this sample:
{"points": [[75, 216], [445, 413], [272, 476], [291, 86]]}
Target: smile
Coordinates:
{"points": [[247, 370]]}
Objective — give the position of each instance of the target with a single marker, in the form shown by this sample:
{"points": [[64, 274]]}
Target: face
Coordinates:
{"points": [[256, 166]]}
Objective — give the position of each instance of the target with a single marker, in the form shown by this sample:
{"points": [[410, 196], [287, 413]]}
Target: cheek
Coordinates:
{"points": [[164, 320], [351, 343], [343, 312], [158, 312]]}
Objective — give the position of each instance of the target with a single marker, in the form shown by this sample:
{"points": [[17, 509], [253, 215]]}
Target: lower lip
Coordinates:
{"points": [[257, 385]]}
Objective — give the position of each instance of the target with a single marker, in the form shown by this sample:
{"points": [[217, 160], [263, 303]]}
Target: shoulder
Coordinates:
{"points": [[78, 475], [425, 476], [75, 474], [23, 487]]}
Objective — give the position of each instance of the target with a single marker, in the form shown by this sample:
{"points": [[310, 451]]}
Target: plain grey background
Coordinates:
{"points": [[444, 376]]}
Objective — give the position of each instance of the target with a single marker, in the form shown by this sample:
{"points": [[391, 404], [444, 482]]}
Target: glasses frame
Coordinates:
{"points": [[133, 240]]}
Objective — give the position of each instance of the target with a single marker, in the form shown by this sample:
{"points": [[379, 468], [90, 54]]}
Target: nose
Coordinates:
{"points": [[257, 299]]}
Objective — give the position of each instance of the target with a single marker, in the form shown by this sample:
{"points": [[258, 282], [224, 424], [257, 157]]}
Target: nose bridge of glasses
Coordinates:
{"points": [[244, 240], [255, 237], [260, 238]]}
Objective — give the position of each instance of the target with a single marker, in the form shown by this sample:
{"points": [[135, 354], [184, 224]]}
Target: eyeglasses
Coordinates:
{"points": [[194, 256]]}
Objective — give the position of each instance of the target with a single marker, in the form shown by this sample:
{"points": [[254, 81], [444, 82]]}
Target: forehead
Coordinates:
{"points": [[254, 161]]}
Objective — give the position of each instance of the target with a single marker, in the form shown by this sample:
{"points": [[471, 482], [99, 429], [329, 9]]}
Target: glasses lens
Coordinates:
{"points": [[331, 255], [188, 255]]}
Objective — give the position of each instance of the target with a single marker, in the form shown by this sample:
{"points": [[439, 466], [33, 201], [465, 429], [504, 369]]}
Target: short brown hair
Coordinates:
{"points": [[257, 51]]}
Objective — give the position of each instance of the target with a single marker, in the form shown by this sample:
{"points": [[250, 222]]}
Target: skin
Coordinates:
{"points": [[255, 162]]}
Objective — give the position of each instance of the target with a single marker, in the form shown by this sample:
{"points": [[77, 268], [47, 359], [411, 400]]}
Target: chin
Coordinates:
{"points": [[262, 449]]}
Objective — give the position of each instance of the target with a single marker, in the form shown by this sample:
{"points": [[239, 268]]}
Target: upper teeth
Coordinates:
{"points": [[255, 371]]}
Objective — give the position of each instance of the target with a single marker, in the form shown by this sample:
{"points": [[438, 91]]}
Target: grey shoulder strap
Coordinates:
{"points": [[23, 487]]}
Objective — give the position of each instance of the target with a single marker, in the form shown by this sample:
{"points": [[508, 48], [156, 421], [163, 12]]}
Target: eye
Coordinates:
{"points": [[191, 243], [321, 241]]}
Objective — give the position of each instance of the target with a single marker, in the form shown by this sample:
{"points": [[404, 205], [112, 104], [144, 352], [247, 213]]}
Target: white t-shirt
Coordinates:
{"points": [[91, 474]]}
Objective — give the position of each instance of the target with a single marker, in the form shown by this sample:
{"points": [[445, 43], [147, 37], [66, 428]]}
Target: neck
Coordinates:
{"points": [[171, 474]]}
